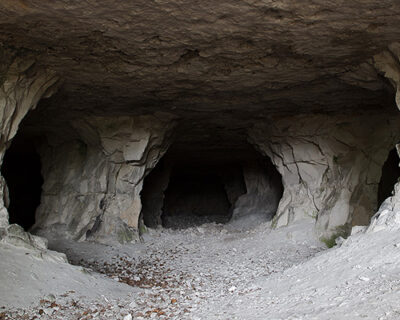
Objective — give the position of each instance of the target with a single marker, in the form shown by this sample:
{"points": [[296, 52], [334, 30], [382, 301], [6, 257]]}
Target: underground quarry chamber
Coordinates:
{"points": [[163, 159], [195, 181], [90, 160], [107, 178], [196, 186]]}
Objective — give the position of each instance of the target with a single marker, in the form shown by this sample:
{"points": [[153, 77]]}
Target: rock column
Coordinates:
{"points": [[330, 166], [92, 185], [22, 85]]}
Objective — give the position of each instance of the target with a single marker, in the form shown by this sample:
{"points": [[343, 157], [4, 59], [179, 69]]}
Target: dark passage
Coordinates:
{"points": [[198, 182], [390, 175], [195, 195], [22, 171]]}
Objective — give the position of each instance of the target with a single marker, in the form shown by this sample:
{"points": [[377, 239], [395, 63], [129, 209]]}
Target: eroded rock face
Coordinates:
{"points": [[196, 56], [330, 166], [263, 191], [303, 82], [92, 185], [388, 215], [21, 87]]}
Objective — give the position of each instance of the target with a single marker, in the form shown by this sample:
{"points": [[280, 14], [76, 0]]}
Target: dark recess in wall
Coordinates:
{"points": [[390, 175], [197, 194], [22, 171]]}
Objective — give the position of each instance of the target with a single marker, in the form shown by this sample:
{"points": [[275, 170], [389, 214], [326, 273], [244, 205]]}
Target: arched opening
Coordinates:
{"points": [[195, 195], [22, 171], [389, 177], [191, 187]]}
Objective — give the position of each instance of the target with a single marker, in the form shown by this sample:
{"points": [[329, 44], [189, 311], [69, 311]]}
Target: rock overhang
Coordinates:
{"points": [[210, 77], [234, 59]]}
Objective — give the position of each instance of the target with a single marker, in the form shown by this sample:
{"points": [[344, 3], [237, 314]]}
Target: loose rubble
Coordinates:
{"points": [[218, 272], [177, 271]]}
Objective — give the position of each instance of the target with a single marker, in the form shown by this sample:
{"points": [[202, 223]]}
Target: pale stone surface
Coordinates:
{"points": [[22, 85], [330, 166], [387, 62], [92, 188], [224, 69], [388, 215], [262, 195]]}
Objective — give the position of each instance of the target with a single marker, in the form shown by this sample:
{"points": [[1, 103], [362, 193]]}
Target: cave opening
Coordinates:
{"points": [[193, 185], [389, 177], [21, 170], [196, 195]]}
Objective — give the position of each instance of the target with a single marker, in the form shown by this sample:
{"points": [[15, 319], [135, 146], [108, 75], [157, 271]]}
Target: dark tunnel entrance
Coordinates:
{"points": [[22, 171], [197, 195], [390, 175], [191, 187]]}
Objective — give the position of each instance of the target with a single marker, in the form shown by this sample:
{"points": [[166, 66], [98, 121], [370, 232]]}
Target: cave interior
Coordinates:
{"points": [[211, 119]]}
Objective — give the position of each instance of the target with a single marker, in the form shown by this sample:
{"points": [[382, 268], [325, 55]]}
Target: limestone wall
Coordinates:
{"points": [[153, 195], [263, 191], [330, 166], [92, 185], [22, 85], [388, 215]]}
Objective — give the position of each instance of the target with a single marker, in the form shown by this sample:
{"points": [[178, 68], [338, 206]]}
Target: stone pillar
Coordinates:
{"points": [[330, 166], [388, 215], [21, 87], [92, 187]]}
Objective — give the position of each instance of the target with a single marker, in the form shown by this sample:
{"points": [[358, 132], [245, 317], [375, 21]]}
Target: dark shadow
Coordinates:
{"points": [[390, 175], [195, 195], [22, 171]]}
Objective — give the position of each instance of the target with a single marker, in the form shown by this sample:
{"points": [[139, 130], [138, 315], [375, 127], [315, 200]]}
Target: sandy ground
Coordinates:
{"points": [[209, 272]]}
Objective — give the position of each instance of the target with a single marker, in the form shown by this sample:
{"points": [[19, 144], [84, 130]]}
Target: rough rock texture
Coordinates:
{"points": [[330, 166], [21, 88], [235, 184], [252, 187], [152, 195], [388, 215], [263, 191], [92, 186], [387, 62], [223, 69], [198, 56]]}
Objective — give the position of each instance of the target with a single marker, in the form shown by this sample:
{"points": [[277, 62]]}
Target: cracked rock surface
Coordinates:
{"points": [[196, 57]]}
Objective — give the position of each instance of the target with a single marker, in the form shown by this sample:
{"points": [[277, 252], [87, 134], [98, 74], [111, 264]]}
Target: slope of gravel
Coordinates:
{"points": [[218, 272], [359, 280]]}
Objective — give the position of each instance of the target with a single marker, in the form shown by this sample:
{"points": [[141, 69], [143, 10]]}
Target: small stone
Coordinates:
{"points": [[48, 311], [363, 278], [50, 297], [128, 317], [232, 289]]}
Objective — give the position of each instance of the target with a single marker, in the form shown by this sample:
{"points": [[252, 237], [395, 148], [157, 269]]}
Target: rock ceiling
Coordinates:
{"points": [[228, 61]]}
